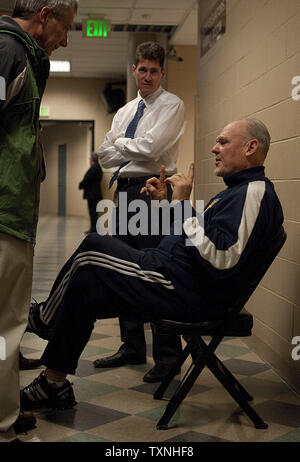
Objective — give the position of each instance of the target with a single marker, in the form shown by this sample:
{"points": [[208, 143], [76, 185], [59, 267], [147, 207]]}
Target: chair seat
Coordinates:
{"points": [[238, 325]]}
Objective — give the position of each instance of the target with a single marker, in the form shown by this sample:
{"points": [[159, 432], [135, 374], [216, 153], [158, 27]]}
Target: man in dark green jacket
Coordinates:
{"points": [[27, 40]]}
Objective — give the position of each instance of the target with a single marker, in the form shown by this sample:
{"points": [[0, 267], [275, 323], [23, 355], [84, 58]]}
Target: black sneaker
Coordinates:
{"points": [[40, 394], [35, 324]]}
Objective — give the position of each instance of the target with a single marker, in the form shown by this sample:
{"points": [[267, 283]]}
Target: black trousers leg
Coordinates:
{"points": [[133, 338], [105, 278], [92, 204], [73, 325], [165, 349]]}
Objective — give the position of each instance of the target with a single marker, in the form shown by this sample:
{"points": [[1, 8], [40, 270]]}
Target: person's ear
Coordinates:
{"points": [[45, 14], [251, 146], [133, 69]]}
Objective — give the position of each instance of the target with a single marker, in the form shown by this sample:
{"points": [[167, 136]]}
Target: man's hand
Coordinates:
{"points": [[156, 188], [182, 185]]}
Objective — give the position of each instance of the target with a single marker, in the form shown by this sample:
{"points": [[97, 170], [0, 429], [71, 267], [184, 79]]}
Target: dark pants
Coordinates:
{"points": [[92, 204], [166, 348], [106, 278]]}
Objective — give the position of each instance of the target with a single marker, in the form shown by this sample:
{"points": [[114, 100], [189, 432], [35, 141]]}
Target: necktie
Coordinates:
{"points": [[130, 131]]}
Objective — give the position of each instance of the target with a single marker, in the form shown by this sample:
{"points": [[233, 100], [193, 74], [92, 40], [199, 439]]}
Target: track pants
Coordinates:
{"points": [[105, 278]]}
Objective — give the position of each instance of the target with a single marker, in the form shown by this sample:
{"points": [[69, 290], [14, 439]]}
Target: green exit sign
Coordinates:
{"points": [[44, 111], [98, 28]]}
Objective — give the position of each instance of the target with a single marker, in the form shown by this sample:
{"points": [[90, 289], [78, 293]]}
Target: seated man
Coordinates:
{"points": [[194, 275]]}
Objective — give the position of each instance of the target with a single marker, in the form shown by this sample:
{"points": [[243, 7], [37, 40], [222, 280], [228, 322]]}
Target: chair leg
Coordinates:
{"points": [[256, 419], [179, 396], [223, 374], [187, 382], [219, 370], [235, 389]]}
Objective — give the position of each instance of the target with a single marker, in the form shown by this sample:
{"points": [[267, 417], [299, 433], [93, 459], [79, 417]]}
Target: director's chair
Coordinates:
{"points": [[234, 324]]}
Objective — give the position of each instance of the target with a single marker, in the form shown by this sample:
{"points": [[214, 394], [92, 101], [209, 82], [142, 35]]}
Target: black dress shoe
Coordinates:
{"points": [[26, 421], [26, 364], [157, 374], [118, 360]]}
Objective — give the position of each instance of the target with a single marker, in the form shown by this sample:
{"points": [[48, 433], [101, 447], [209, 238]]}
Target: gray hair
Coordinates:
{"points": [[26, 9], [258, 130]]}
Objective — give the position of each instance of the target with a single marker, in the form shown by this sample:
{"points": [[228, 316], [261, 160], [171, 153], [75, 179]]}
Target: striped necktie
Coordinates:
{"points": [[130, 131]]}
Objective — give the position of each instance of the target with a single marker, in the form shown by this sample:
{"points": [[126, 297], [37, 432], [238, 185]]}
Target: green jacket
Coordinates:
{"points": [[24, 67]]}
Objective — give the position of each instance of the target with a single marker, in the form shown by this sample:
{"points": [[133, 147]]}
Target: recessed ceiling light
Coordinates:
{"points": [[60, 66]]}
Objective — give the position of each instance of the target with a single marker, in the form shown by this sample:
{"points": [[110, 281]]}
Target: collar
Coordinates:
{"points": [[250, 174], [151, 98]]}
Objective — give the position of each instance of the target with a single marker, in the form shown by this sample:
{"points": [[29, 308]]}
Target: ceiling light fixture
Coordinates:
{"points": [[60, 66]]}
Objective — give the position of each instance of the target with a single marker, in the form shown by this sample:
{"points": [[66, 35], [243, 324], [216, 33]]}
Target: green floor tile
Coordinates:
{"points": [[82, 438], [231, 351], [290, 437], [86, 389]]}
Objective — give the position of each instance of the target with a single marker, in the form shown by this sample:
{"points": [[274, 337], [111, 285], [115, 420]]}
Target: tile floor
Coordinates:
{"points": [[115, 405]]}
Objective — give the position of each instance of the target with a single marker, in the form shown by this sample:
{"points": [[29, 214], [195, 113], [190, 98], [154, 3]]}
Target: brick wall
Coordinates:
{"points": [[248, 73]]}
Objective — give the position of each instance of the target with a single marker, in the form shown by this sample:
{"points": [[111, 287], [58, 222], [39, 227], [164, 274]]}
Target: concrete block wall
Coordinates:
{"points": [[248, 73]]}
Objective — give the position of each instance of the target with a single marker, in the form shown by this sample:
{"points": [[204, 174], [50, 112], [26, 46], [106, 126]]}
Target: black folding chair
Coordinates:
{"points": [[236, 324]]}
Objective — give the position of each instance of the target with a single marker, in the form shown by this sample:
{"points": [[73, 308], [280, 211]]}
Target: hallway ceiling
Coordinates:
{"points": [[107, 57]]}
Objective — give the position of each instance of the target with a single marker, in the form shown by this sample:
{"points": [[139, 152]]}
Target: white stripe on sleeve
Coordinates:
{"points": [[225, 259]]}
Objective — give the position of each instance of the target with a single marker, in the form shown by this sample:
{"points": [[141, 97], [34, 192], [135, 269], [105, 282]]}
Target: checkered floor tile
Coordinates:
{"points": [[115, 405]]}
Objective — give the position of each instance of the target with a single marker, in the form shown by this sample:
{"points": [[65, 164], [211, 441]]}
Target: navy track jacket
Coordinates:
{"points": [[238, 224]]}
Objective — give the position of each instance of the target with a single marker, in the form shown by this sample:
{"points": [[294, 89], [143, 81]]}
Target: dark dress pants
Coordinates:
{"points": [[165, 348], [92, 204]]}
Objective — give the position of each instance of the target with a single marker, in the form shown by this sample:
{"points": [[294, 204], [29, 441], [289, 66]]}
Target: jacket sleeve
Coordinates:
{"points": [[222, 238], [110, 156], [12, 69], [162, 136]]}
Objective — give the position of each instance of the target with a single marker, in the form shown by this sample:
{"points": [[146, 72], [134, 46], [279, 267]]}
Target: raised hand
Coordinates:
{"points": [[182, 184], [156, 188]]}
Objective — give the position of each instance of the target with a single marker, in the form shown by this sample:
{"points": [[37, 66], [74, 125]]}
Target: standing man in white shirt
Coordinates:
{"points": [[138, 155]]}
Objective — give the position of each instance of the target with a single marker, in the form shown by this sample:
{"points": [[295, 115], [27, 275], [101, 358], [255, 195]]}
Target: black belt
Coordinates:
{"points": [[134, 181]]}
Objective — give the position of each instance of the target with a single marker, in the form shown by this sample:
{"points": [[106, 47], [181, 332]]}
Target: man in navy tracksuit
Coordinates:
{"points": [[193, 275]]}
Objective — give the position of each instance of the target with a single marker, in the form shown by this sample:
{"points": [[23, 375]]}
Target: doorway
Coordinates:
{"points": [[67, 147], [62, 179]]}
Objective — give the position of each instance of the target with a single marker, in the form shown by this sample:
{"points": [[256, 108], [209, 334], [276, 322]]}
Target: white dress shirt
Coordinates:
{"points": [[156, 138]]}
